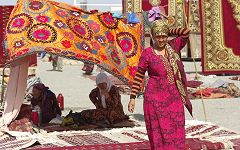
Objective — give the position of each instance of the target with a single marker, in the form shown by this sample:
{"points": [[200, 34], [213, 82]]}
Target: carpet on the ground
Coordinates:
{"points": [[228, 91], [8, 142], [118, 146], [96, 126], [199, 135]]}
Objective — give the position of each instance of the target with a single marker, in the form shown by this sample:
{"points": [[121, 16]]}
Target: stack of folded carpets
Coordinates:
{"points": [[229, 91], [23, 121], [235, 78]]}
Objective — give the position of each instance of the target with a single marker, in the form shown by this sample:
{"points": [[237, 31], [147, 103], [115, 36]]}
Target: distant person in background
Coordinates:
{"points": [[42, 55], [88, 68], [60, 64], [57, 63]]}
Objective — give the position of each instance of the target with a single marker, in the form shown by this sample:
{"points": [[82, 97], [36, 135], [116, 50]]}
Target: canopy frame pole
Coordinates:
{"points": [[3, 87]]}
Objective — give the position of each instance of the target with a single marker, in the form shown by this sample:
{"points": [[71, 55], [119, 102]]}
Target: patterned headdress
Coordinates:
{"points": [[160, 27]]}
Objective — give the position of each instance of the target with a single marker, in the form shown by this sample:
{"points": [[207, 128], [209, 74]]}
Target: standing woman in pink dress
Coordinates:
{"points": [[166, 91]]}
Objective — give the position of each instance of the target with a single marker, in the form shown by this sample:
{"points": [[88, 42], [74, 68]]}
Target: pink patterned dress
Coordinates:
{"points": [[163, 99]]}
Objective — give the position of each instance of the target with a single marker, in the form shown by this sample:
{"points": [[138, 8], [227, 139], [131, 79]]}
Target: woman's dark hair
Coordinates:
{"points": [[41, 87], [151, 42]]}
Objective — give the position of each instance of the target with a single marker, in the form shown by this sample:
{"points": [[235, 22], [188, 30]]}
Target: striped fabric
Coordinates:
{"points": [[137, 82], [184, 32]]}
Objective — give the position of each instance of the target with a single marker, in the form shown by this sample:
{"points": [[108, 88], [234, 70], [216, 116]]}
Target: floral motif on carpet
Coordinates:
{"points": [[68, 31]]}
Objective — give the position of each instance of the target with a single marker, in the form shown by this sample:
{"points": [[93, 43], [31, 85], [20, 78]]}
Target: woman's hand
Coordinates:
{"points": [[131, 105]]}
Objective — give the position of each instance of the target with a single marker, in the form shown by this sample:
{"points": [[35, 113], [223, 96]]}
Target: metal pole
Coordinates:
{"points": [[3, 87]]}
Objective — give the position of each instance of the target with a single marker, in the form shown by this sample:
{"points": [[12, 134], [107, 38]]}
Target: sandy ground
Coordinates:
{"points": [[75, 88]]}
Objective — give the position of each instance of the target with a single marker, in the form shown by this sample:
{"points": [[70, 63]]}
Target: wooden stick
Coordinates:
{"points": [[194, 62], [204, 108], [190, 44]]}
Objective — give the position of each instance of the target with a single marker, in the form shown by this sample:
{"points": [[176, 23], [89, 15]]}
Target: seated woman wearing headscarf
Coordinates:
{"points": [[107, 100], [46, 100]]}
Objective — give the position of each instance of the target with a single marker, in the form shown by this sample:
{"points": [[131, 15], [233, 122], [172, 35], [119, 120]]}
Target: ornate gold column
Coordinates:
{"points": [[194, 25], [194, 17], [132, 6], [235, 4], [175, 9]]}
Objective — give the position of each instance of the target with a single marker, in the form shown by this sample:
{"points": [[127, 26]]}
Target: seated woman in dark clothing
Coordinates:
{"points": [[107, 101], [46, 100]]}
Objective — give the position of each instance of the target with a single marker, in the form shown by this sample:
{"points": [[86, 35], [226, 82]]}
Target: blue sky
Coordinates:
{"points": [[100, 8]]}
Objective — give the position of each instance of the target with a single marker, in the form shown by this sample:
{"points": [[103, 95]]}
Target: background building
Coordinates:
{"points": [[103, 5]]}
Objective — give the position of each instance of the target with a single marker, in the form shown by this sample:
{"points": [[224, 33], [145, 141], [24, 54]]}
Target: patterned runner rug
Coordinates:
{"points": [[200, 135], [8, 142], [91, 139]]}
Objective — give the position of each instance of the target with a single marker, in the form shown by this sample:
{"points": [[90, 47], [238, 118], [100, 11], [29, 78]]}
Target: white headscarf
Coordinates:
{"points": [[103, 78]]}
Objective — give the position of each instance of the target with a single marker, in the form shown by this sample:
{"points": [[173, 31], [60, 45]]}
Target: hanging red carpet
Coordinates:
{"points": [[220, 29], [5, 12]]}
